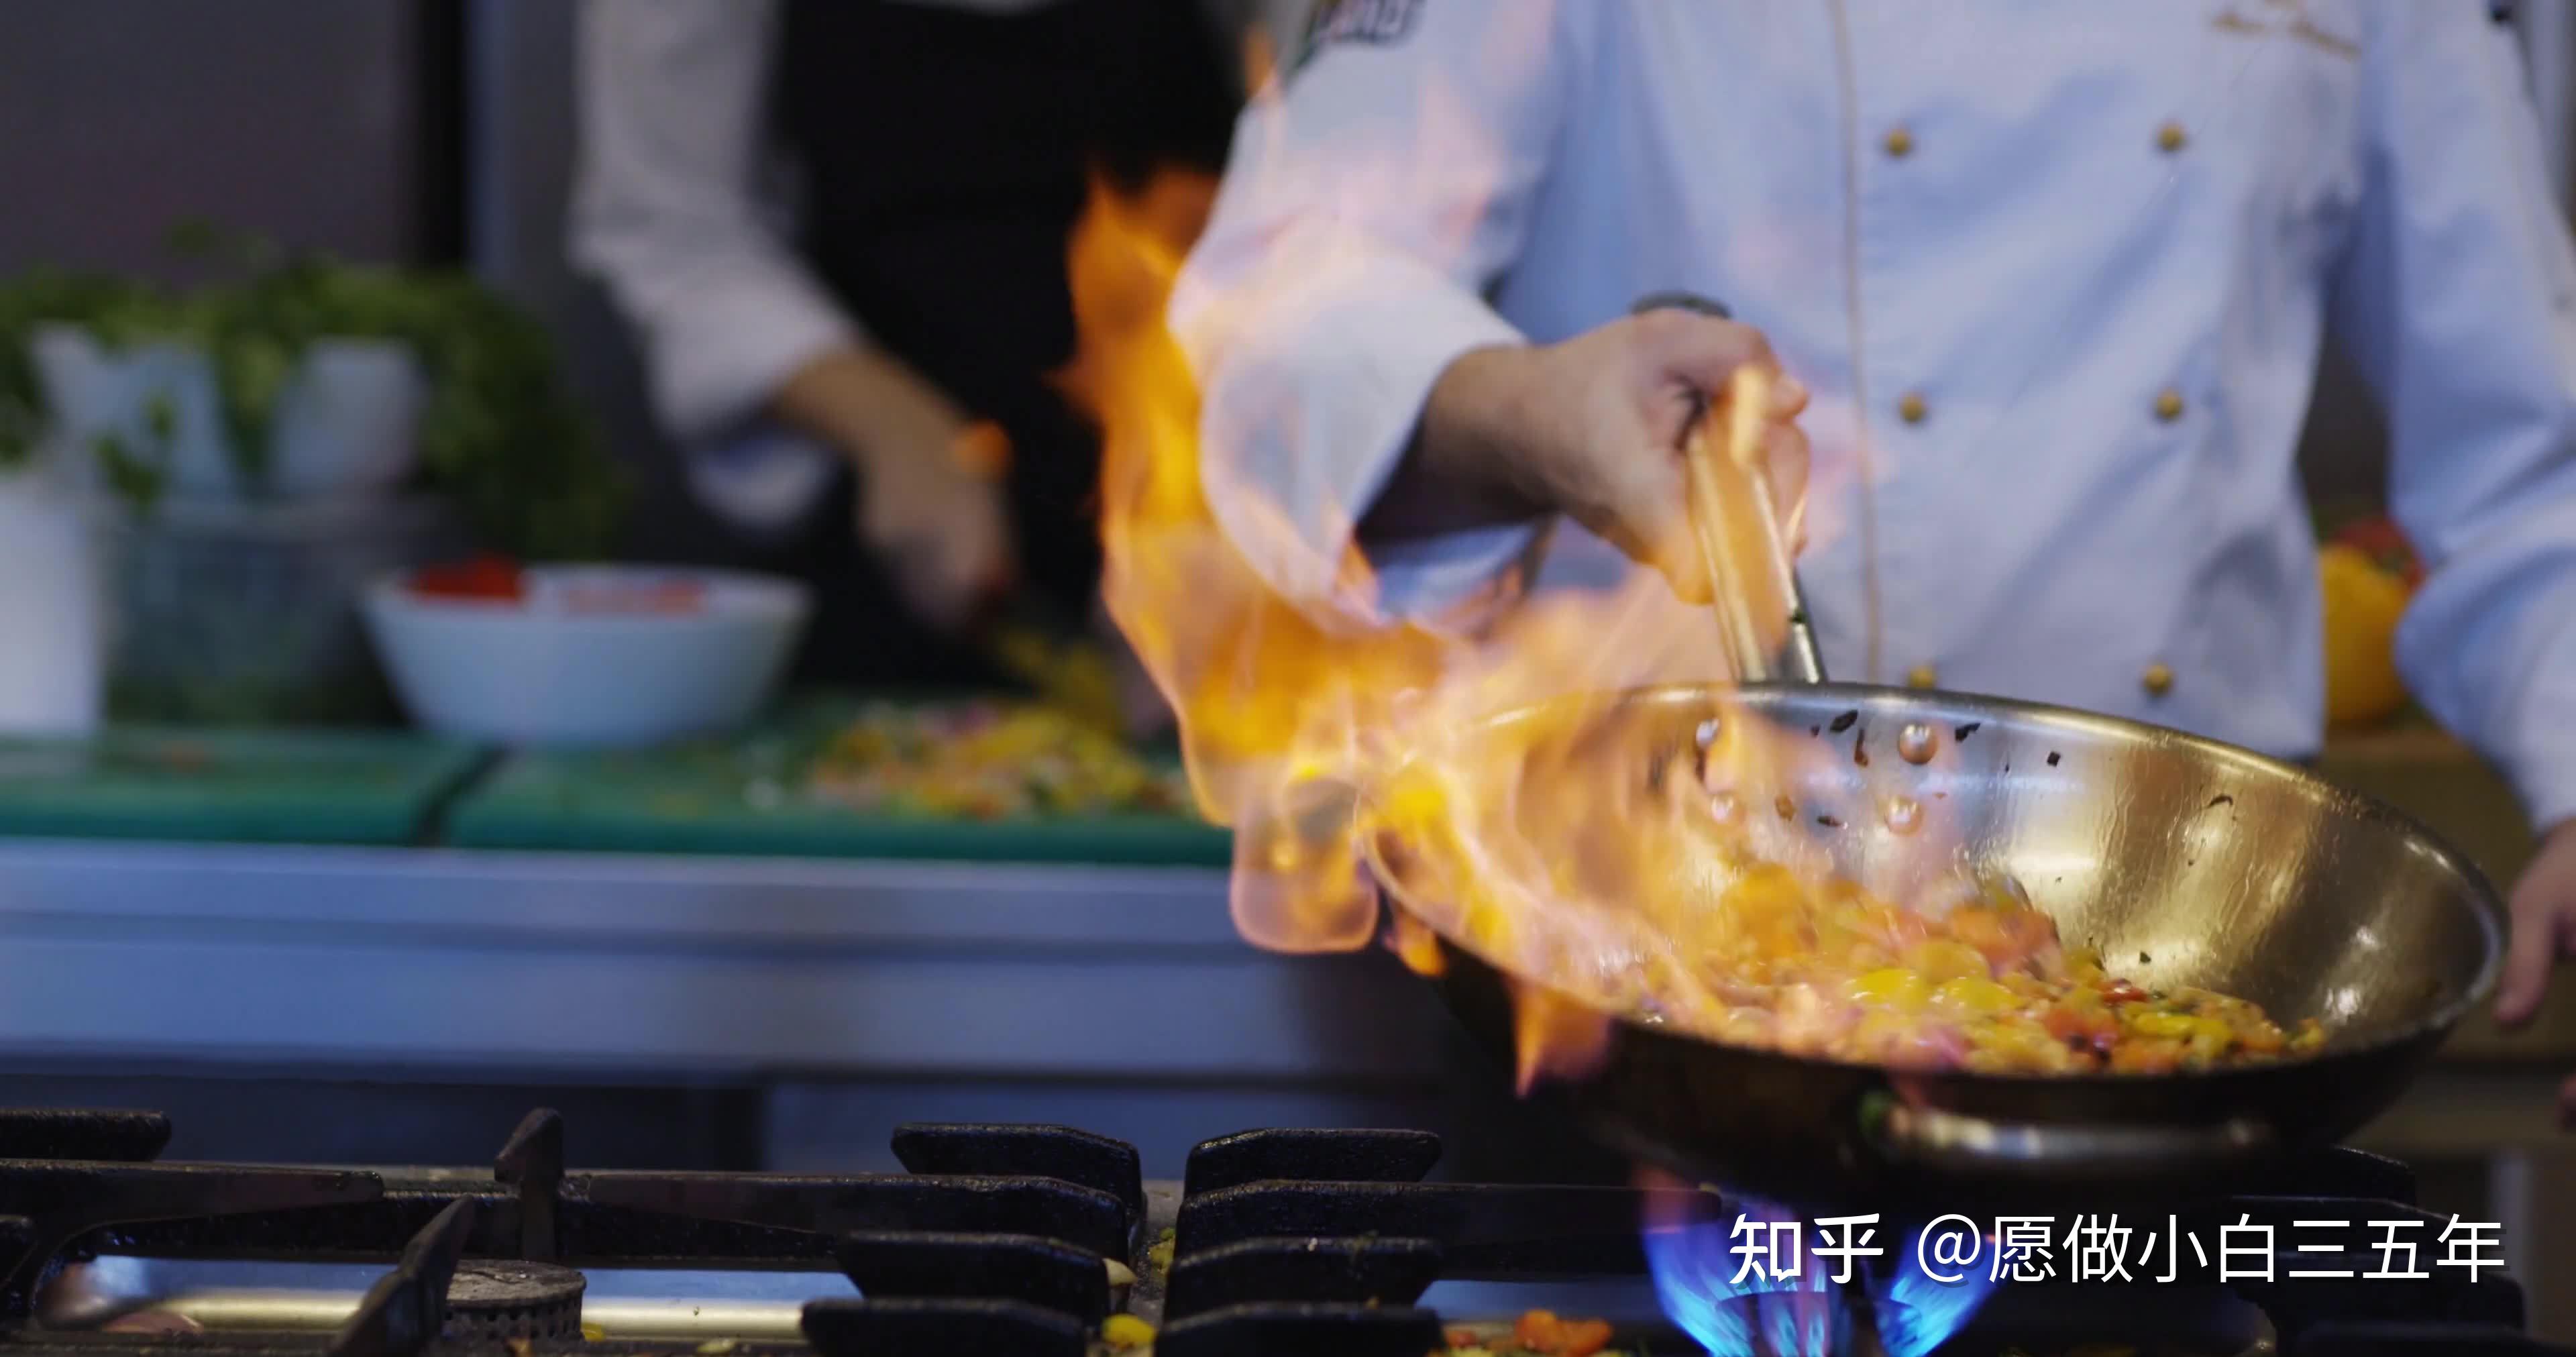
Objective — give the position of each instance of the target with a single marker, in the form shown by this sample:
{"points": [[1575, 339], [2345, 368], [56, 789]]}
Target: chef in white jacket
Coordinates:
{"points": [[2054, 279]]}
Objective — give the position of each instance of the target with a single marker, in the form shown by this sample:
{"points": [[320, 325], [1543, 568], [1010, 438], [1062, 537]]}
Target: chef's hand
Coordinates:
{"points": [[1588, 427], [2544, 929], [930, 499]]}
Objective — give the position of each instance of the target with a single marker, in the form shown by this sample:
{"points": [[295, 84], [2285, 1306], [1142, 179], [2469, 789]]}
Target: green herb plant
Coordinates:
{"points": [[502, 436]]}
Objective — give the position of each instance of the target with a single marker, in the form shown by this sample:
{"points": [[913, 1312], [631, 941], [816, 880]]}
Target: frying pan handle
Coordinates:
{"points": [[1801, 660], [1933, 1138]]}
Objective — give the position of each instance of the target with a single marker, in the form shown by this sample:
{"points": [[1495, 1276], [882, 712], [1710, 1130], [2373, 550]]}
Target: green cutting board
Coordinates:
{"points": [[232, 785], [742, 796]]}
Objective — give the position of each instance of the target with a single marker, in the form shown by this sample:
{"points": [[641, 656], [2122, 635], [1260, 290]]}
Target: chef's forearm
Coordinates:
{"points": [[868, 405], [1457, 475]]}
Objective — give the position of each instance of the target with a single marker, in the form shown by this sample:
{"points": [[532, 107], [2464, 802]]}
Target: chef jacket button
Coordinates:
{"points": [[1900, 143], [1922, 676], [2168, 405], [1911, 408], [2170, 138], [2158, 680]]}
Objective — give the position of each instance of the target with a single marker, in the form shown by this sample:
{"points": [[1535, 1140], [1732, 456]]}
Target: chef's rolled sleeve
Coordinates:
{"points": [[1321, 401], [1368, 206], [667, 209], [2458, 297]]}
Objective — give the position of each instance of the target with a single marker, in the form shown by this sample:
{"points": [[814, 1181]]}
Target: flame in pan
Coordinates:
{"points": [[1608, 851], [1584, 845]]}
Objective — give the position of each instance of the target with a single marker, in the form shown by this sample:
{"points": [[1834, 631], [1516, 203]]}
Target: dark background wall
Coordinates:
{"points": [[300, 118]]}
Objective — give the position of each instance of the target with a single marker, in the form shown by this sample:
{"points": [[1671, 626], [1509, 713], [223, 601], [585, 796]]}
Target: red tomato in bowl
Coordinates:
{"points": [[657, 596], [484, 577]]}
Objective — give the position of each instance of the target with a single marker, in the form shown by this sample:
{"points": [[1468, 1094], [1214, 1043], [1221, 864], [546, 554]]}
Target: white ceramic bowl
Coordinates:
{"points": [[547, 672]]}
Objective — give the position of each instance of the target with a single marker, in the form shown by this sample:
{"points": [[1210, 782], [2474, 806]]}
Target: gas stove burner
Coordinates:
{"points": [[1043, 1241], [496, 1300]]}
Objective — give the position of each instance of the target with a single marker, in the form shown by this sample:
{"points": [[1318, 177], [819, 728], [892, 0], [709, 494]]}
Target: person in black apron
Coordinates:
{"points": [[947, 155], [943, 226], [947, 149]]}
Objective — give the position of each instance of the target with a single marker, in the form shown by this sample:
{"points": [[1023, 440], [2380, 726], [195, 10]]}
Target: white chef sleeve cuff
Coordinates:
{"points": [[1458, 581], [761, 482], [718, 368], [2489, 648], [1309, 411], [2539, 753], [717, 362]]}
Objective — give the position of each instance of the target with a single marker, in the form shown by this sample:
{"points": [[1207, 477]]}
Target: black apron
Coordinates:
{"points": [[947, 155]]}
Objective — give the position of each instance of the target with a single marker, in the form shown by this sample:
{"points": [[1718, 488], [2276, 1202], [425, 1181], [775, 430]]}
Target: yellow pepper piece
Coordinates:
{"points": [[1942, 959], [1893, 986], [1126, 1331], [2156, 1023], [1977, 995]]}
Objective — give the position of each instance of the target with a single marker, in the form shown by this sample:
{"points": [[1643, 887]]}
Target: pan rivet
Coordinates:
{"points": [[2158, 679], [1914, 743], [1922, 676]]}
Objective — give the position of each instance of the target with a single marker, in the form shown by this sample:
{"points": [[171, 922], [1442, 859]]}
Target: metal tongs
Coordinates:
{"points": [[1752, 583]]}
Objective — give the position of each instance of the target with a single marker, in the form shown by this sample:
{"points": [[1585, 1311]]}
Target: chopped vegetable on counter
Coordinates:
{"points": [[988, 761]]}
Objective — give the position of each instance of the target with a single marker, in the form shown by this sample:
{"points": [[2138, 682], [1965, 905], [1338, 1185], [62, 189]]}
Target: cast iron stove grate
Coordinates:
{"points": [[999, 1240]]}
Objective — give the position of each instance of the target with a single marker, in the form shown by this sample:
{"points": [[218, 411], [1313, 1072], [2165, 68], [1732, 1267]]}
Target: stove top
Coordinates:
{"points": [[1031, 1241]]}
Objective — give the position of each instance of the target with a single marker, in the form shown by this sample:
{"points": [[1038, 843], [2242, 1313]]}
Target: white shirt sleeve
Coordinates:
{"points": [[2458, 298], [667, 210], [1368, 205]]}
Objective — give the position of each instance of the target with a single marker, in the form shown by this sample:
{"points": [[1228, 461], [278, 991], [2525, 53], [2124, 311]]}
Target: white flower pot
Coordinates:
{"points": [[346, 425], [53, 614]]}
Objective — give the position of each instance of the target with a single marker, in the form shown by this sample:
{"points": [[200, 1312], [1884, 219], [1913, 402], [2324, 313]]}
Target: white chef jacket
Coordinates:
{"points": [[2057, 276], [684, 212]]}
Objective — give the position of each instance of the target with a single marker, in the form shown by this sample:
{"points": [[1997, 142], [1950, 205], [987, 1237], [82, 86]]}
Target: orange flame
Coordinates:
{"points": [[1540, 848], [1283, 716]]}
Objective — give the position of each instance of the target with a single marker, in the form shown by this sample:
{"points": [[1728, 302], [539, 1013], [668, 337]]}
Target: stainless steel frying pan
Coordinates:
{"points": [[2183, 861]]}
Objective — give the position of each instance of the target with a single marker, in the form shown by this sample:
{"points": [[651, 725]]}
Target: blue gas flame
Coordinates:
{"points": [[1918, 1312], [1696, 1268]]}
